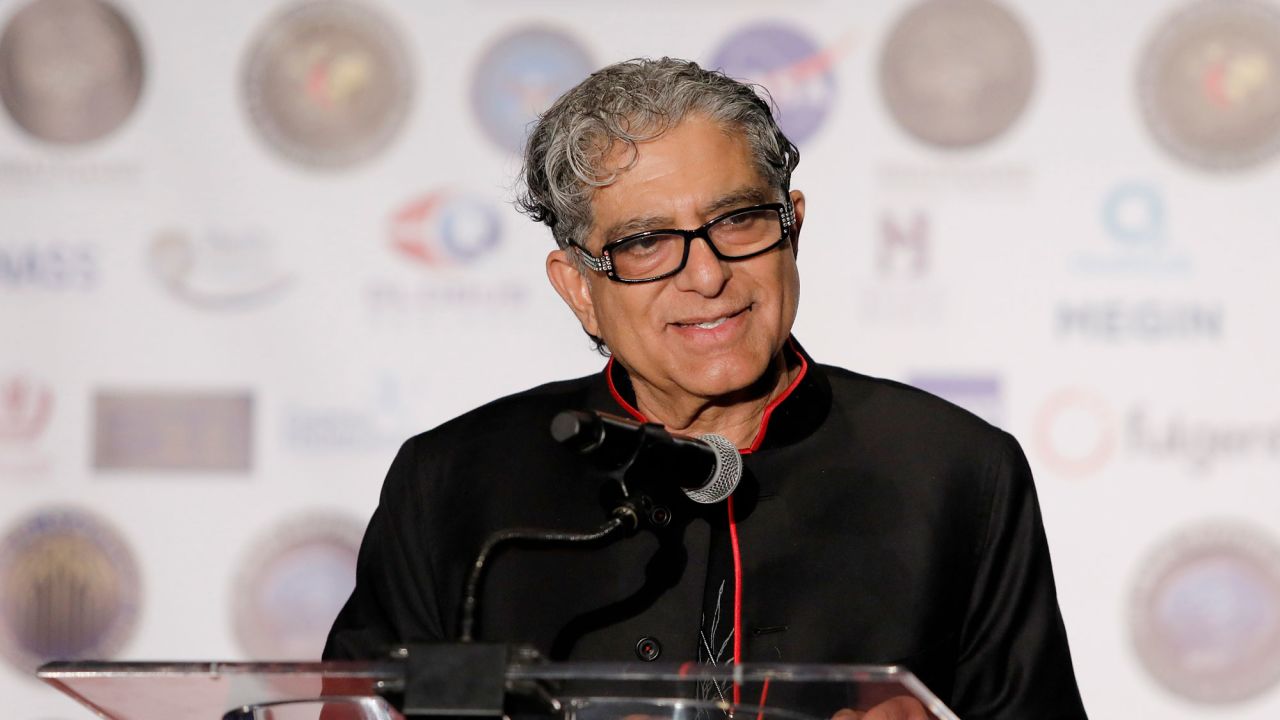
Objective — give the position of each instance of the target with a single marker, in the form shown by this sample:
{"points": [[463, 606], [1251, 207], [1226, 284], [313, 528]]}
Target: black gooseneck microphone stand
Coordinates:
{"points": [[468, 679]]}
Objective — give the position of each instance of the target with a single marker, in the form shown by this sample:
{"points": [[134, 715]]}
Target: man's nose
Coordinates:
{"points": [[704, 273]]}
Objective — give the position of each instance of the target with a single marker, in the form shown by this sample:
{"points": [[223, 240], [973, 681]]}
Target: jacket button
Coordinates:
{"points": [[648, 649]]}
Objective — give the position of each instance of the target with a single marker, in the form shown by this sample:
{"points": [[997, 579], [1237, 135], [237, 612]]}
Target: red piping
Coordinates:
{"points": [[737, 597], [608, 375], [764, 693], [768, 410]]}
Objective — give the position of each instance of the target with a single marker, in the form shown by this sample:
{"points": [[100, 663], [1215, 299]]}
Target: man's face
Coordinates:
{"points": [[713, 328]]}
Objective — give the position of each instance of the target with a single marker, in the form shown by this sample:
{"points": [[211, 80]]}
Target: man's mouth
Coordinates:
{"points": [[712, 322]]}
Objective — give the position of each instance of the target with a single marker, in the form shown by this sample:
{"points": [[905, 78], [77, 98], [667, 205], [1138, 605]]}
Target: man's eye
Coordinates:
{"points": [[642, 246]]}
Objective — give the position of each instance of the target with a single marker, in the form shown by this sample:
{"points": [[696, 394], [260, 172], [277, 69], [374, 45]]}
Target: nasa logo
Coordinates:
{"points": [[1076, 432], [328, 84], [1205, 612], [519, 76], [797, 72], [69, 589], [292, 584], [71, 71], [217, 270], [1209, 84], [957, 73], [446, 228]]}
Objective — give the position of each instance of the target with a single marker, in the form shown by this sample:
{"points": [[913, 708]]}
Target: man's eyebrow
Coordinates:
{"points": [[746, 196], [739, 198]]}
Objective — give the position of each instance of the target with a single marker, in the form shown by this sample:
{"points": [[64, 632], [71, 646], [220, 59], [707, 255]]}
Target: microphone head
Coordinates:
{"points": [[724, 479]]}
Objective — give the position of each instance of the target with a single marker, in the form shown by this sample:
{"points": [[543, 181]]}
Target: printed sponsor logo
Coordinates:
{"points": [[903, 291], [137, 430], [1209, 84], [957, 73], [69, 589], [1151, 321], [798, 73], [905, 245], [292, 585], [26, 406], [328, 84], [48, 267], [979, 394], [1135, 218], [1078, 432], [217, 270], [382, 421], [71, 71], [518, 78], [446, 228], [440, 235], [1205, 613]]}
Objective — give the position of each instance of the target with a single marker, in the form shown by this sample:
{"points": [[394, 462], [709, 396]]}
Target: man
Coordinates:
{"points": [[874, 524]]}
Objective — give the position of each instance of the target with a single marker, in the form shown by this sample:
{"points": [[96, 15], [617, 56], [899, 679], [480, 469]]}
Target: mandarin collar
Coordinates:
{"points": [[791, 417]]}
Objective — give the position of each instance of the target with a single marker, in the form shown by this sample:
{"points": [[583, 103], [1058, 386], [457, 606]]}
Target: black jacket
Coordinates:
{"points": [[877, 524]]}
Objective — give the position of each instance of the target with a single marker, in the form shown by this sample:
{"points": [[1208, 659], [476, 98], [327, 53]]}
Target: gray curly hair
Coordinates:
{"points": [[631, 102]]}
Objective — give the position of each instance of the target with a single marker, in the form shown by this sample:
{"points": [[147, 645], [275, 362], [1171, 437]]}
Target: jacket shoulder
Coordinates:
{"points": [[517, 414], [905, 411]]}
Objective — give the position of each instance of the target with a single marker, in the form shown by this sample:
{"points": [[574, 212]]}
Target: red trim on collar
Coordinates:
{"points": [[764, 421], [768, 411], [613, 390]]}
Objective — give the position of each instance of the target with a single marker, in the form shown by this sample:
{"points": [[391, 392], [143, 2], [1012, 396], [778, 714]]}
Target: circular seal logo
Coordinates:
{"points": [[791, 66], [69, 589], [1205, 613], [292, 586], [445, 228], [71, 71], [957, 73], [1209, 84], [328, 84], [519, 76]]}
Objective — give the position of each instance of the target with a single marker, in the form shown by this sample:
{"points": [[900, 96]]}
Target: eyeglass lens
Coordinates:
{"points": [[733, 236]]}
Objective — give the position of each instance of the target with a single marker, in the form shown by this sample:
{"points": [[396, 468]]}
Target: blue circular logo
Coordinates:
{"points": [[520, 76], [795, 70], [1134, 213], [296, 580], [1206, 613]]}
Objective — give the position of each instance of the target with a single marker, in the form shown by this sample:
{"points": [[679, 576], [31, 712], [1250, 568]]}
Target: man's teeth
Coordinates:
{"points": [[711, 323]]}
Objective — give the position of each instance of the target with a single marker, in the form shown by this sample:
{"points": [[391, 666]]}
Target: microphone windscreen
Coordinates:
{"points": [[728, 471]]}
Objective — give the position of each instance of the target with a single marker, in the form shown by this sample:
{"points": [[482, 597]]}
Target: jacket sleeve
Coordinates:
{"points": [[1014, 662], [394, 600]]}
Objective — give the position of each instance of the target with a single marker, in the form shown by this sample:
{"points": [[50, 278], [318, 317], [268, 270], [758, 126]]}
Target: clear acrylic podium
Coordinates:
{"points": [[563, 691]]}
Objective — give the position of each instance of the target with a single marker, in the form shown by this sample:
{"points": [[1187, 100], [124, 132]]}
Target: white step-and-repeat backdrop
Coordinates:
{"points": [[248, 247]]}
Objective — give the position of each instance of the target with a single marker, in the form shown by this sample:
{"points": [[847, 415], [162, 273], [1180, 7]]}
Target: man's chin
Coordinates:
{"points": [[731, 380]]}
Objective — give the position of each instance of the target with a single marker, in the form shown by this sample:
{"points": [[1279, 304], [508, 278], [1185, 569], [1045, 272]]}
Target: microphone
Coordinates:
{"points": [[707, 468]]}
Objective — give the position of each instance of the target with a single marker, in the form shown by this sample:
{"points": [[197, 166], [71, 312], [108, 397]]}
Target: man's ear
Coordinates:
{"points": [[797, 202], [574, 287]]}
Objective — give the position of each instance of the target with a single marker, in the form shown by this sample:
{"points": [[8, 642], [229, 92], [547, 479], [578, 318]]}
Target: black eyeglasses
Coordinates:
{"points": [[657, 254]]}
